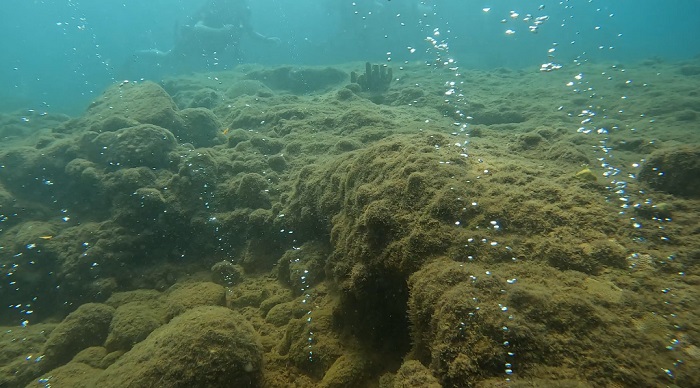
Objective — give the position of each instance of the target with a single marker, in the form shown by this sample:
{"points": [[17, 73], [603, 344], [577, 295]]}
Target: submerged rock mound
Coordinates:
{"points": [[205, 346], [354, 242], [674, 171]]}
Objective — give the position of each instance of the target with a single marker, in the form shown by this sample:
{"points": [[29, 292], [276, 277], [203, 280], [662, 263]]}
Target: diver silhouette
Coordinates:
{"points": [[213, 37]]}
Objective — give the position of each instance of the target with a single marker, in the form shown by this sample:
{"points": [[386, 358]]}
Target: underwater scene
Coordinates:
{"points": [[367, 193]]}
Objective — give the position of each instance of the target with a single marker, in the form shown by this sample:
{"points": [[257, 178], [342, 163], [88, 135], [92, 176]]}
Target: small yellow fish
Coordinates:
{"points": [[225, 131], [46, 237]]}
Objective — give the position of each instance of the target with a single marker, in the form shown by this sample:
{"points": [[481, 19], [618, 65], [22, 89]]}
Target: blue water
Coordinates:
{"points": [[58, 55]]}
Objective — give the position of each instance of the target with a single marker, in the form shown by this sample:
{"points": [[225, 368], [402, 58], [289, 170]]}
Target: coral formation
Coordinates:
{"points": [[376, 78]]}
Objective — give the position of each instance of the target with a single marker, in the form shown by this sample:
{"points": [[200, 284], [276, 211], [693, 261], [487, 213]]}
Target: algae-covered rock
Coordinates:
{"points": [[503, 116], [148, 202], [140, 208], [277, 163], [19, 351], [674, 171], [205, 346], [5, 197], [31, 232], [414, 374], [126, 180], [566, 152], [266, 146], [226, 273], [387, 208], [325, 348], [346, 145], [113, 123], [85, 181], [348, 370], [300, 268], [91, 356], [128, 105], [122, 298], [30, 172], [73, 374], [143, 145], [386, 203], [236, 137], [87, 326], [133, 322], [281, 313], [247, 87], [200, 98], [299, 80], [199, 126], [529, 140], [251, 191], [146, 103], [79, 168], [589, 257], [184, 296], [344, 94], [112, 248], [659, 210], [457, 322]]}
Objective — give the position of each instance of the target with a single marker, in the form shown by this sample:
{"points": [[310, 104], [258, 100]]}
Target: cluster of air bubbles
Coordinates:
{"points": [[587, 116], [550, 66], [508, 368], [632, 202], [80, 25], [24, 309], [287, 232], [611, 167], [32, 113], [454, 95], [533, 22], [619, 187], [474, 244], [305, 286], [462, 147], [24, 260], [508, 364], [678, 340], [440, 47]]}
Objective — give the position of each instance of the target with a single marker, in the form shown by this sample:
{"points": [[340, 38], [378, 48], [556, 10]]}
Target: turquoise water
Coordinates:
{"points": [[59, 55], [392, 193]]}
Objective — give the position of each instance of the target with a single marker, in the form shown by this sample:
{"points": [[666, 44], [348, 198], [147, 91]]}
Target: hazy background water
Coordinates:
{"points": [[57, 55]]}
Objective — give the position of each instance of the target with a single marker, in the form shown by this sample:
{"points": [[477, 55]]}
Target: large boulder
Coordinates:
{"points": [[85, 327], [200, 127], [674, 171], [207, 346], [146, 103], [133, 322], [129, 104], [414, 374], [143, 145]]}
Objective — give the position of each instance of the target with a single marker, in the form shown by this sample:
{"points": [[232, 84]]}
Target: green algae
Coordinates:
{"points": [[373, 244]]}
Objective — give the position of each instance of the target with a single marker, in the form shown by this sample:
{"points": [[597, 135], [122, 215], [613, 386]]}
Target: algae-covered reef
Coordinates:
{"points": [[283, 227]]}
